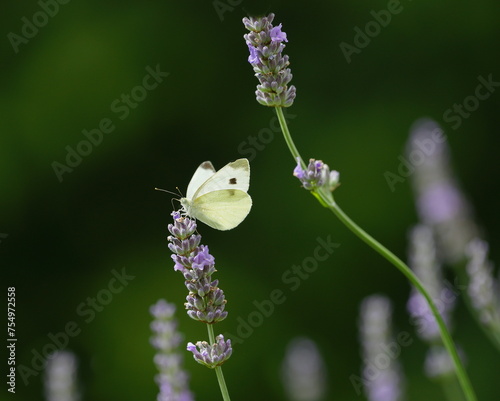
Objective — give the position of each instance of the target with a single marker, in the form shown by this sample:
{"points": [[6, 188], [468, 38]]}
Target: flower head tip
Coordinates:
{"points": [[317, 175], [265, 44]]}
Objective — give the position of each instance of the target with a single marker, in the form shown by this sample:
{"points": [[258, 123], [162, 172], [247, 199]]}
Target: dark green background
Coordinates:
{"points": [[64, 239]]}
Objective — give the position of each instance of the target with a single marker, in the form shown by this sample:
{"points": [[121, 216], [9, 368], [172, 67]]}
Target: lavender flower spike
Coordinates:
{"points": [[265, 44], [61, 377], [211, 355], [438, 363], [383, 382], [172, 380], [441, 204], [423, 261], [483, 288], [303, 371], [317, 175], [205, 301]]}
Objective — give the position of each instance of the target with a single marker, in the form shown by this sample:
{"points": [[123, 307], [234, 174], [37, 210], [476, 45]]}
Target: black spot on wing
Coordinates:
{"points": [[232, 181], [207, 166]]}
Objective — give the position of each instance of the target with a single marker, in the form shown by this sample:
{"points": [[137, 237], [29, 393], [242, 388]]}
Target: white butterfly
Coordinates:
{"points": [[219, 199]]}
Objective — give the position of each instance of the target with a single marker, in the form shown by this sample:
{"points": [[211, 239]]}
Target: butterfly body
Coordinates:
{"points": [[219, 198]]}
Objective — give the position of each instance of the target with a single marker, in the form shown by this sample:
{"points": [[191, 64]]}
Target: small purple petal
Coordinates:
{"points": [[254, 57], [277, 35]]}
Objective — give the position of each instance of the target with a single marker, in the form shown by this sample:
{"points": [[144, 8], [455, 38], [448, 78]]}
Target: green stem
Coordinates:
{"points": [[326, 200], [218, 369], [288, 137], [403, 268], [451, 388]]}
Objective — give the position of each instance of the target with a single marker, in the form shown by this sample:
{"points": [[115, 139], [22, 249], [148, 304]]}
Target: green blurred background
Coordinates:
{"points": [[65, 238]]}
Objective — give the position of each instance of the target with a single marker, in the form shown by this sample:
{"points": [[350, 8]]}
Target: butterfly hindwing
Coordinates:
{"points": [[223, 209]]}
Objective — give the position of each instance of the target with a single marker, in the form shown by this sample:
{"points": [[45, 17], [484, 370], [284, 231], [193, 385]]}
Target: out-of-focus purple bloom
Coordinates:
{"points": [[211, 355], [265, 44], [483, 289], [205, 301], [424, 263], [383, 381], [303, 371], [317, 175], [438, 363], [61, 377], [171, 379], [440, 203]]}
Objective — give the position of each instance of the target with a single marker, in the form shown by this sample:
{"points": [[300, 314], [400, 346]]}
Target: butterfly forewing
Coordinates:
{"points": [[235, 175], [202, 174]]}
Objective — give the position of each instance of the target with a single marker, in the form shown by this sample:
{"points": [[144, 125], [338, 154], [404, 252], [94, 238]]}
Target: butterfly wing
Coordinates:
{"points": [[202, 174], [223, 209], [235, 175]]}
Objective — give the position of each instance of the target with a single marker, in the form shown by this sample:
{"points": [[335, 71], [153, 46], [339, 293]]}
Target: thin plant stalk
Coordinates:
{"points": [[451, 389], [326, 199], [218, 369]]}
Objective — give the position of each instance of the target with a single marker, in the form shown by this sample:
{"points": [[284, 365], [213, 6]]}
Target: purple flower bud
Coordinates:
{"points": [[317, 175], [211, 355], [182, 227]]}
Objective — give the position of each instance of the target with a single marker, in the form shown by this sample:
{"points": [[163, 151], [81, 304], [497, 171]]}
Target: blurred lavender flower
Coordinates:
{"points": [[317, 175], [440, 202], [424, 263], [205, 301], [61, 377], [382, 383], [211, 355], [483, 289], [304, 374], [265, 44], [438, 363], [172, 380]]}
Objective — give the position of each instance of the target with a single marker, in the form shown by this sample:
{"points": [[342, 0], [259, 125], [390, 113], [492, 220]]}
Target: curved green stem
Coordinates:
{"points": [[326, 200], [218, 369], [288, 137], [451, 388], [403, 268]]}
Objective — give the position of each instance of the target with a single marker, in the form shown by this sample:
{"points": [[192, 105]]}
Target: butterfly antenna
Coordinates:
{"points": [[164, 190]]}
